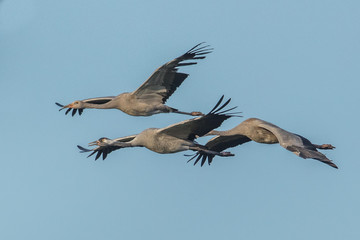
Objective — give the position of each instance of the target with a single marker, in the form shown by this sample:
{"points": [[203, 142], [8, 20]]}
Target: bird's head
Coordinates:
{"points": [[74, 105], [102, 142]]}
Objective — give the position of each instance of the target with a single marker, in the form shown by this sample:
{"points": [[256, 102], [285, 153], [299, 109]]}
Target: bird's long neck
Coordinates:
{"points": [[218, 133], [107, 105], [238, 130], [124, 144]]}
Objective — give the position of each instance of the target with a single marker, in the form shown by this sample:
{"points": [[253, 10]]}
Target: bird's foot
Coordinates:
{"points": [[226, 154], [326, 146], [197, 114]]}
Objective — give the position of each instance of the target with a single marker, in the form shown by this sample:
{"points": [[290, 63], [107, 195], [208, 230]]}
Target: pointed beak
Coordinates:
{"points": [[67, 106], [94, 143]]}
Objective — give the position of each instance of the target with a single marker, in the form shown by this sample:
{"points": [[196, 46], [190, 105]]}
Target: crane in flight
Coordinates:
{"points": [[151, 96], [254, 129], [175, 138]]}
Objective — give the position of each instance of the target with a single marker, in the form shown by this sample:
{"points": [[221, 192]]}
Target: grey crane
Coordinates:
{"points": [[151, 96], [260, 131], [175, 138]]}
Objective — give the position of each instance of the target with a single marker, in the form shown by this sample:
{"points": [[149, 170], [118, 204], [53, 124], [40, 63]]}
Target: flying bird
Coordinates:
{"points": [[151, 96], [260, 131], [175, 138]]}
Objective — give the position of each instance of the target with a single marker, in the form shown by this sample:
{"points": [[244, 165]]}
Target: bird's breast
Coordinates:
{"points": [[133, 106], [262, 135], [162, 143]]}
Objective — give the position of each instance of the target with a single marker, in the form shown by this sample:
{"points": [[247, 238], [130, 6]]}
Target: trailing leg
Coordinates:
{"points": [[324, 146], [202, 149], [174, 110]]}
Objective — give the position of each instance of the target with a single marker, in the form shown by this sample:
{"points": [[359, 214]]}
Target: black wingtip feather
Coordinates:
{"points": [[98, 155], [83, 149], [199, 49], [105, 154], [196, 50], [224, 105], [198, 57], [198, 158], [195, 47], [233, 114], [217, 104], [203, 160], [333, 165], [217, 109], [202, 53], [200, 155], [187, 64], [193, 156], [92, 154]]}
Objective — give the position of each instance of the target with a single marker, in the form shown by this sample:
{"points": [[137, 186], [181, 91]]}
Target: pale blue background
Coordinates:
{"points": [[293, 63]]}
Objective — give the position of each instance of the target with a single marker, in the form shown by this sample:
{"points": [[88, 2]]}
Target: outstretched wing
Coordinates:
{"points": [[105, 149], [197, 127], [165, 80], [219, 144]]}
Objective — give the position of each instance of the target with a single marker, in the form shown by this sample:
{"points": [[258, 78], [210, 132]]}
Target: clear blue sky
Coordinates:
{"points": [[293, 63]]}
